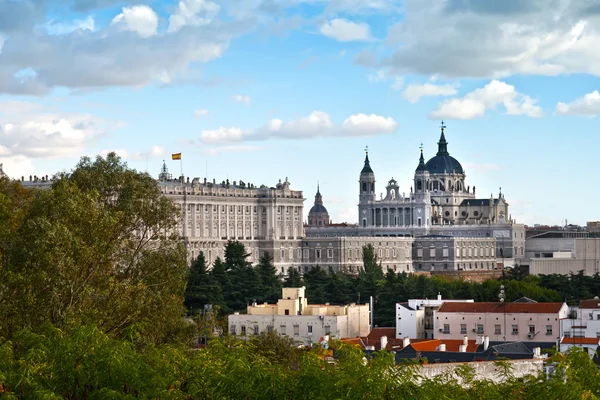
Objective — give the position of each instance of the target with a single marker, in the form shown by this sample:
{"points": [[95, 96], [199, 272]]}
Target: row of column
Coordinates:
{"points": [[394, 216], [270, 229]]}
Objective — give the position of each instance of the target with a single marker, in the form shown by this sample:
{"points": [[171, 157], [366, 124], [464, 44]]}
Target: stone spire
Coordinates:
{"points": [[421, 166], [367, 168], [318, 197], [442, 144]]}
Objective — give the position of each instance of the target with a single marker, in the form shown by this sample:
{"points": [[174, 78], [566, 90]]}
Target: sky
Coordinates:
{"points": [[262, 90]]}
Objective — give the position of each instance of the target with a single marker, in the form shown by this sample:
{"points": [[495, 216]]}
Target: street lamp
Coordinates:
{"points": [[502, 296]]}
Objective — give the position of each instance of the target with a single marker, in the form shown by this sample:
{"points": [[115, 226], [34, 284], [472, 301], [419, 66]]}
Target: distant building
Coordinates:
{"points": [[318, 215], [583, 320], [414, 319], [593, 227], [449, 253], [439, 203], [512, 322], [562, 252], [591, 345], [306, 323]]}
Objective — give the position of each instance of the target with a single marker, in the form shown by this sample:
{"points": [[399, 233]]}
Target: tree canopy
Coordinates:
{"points": [[98, 247]]}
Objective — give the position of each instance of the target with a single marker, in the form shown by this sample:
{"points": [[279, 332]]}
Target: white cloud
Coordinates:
{"points": [[200, 112], [398, 83], [32, 130], [588, 105], [131, 51], [316, 124], [141, 19], [414, 92], [366, 125], [343, 30], [61, 28], [492, 39], [492, 95], [192, 12], [378, 76], [242, 98], [222, 135], [16, 166]]}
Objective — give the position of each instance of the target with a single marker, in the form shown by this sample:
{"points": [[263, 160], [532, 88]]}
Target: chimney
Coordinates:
{"points": [[384, 342], [442, 347], [486, 343], [537, 352], [439, 296], [462, 348], [406, 342], [466, 340]]}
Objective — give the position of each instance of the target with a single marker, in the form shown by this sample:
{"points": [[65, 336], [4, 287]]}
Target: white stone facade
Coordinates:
{"points": [[513, 322], [305, 323], [439, 203], [583, 321], [414, 319]]}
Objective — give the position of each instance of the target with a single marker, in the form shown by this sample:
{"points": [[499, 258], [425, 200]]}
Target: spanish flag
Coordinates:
{"points": [[176, 156]]}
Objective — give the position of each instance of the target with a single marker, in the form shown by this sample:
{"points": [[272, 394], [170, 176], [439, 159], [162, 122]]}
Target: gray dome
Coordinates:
{"points": [[318, 208], [443, 163]]}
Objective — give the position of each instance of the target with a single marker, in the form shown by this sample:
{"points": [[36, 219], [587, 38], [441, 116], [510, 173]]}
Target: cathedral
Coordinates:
{"points": [[439, 225], [439, 203]]}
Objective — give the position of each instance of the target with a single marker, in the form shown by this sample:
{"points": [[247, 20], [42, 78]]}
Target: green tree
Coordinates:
{"points": [[370, 274], [243, 284], [269, 281], [96, 248], [315, 280], [201, 287], [293, 278]]}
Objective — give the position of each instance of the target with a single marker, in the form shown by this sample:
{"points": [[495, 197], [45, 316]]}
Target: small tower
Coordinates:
{"points": [[367, 195], [318, 215], [421, 175], [367, 181], [164, 173]]}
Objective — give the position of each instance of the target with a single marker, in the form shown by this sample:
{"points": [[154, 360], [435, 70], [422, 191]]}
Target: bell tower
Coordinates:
{"points": [[366, 192]]}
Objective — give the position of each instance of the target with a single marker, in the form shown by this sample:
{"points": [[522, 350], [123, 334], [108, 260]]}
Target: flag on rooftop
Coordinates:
{"points": [[176, 156]]}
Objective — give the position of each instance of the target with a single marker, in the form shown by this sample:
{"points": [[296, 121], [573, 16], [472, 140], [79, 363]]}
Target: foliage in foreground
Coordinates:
{"points": [[98, 248], [85, 363]]}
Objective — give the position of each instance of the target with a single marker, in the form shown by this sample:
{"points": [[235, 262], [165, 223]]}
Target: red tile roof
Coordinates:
{"points": [[593, 303], [452, 345], [377, 333], [541, 308], [580, 340]]}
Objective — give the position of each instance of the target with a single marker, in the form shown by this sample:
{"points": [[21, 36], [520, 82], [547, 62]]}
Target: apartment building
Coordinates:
{"points": [[512, 322], [293, 317]]}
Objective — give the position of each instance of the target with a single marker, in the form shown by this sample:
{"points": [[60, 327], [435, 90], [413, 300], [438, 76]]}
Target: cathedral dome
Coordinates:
{"points": [[318, 208], [318, 215], [441, 164]]}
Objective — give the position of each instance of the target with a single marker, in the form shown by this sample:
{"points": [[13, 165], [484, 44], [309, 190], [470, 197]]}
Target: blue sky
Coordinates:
{"points": [[261, 90]]}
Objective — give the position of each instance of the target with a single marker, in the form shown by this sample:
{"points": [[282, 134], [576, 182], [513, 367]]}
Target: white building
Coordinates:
{"points": [[562, 252], [439, 203], [512, 322], [414, 319], [591, 345], [583, 321], [306, 323]]}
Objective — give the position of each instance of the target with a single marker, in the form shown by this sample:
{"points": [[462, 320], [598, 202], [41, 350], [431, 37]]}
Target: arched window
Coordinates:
{"points": [[364, 186], [419, 185]]}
